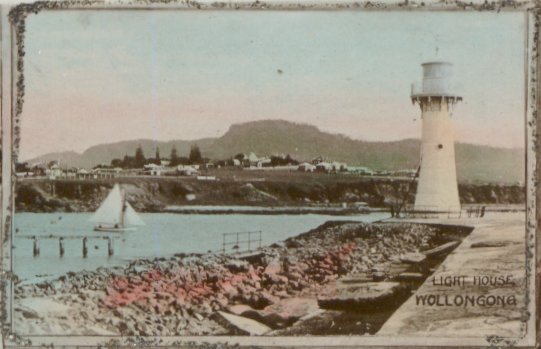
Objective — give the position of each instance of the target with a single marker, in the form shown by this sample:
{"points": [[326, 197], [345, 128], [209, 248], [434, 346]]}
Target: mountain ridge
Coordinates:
{"points": [[304, 142]]}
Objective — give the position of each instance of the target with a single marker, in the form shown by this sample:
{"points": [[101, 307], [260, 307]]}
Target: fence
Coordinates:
{"points": [[436, 212], [241, 241]]}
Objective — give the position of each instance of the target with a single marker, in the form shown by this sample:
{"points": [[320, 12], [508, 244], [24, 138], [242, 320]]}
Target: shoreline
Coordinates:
{"points": [[272, 210], [155, 194], [277, 286]]}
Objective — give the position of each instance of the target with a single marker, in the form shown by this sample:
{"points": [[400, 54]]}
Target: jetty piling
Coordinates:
{"points": [[110, 250], [85, 248], [35, 250], [61, 246]]}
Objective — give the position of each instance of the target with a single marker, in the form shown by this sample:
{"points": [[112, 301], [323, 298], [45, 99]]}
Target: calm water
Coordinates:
{"points": [[164, 235]]}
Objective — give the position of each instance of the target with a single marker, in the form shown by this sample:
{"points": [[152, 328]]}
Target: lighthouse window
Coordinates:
{"points": [[440, 146]]}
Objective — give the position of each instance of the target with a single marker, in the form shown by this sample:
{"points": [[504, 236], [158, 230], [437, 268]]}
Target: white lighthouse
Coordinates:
{"points": [[437, 188]]}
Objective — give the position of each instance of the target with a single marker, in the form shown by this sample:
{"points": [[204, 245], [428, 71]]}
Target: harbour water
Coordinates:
{"points": [[163, 235]]}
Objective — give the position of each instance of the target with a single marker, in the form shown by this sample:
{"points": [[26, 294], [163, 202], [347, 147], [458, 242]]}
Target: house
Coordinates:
{"points": [[381, 173], [54, 172], [152, 170], [83, 173], [24, 174], [306, 167], [317, 160], [360, 170], [70, 173], [250, 160], [339, 166], [184, 170], [263, 163], [105, 172], [324, 167], [236, 162]]}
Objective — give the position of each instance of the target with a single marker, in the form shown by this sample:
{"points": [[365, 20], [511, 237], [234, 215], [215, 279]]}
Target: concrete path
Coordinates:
{"points": [[495, 248]]}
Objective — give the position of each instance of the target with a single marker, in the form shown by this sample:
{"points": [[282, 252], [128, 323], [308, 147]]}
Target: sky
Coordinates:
{"points": [[97, 77]]}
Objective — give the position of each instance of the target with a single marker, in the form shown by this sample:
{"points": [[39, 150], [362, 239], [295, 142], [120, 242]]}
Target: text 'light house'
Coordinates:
{"points": [[437, 188]]}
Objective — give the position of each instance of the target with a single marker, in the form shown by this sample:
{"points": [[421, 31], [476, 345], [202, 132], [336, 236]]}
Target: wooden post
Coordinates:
{"points": [[85, 249], [110, 246], [36, 247], [61, 246]]}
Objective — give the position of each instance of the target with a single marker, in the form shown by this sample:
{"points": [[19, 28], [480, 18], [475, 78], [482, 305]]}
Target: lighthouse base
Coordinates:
{"points": [[437, 203]]}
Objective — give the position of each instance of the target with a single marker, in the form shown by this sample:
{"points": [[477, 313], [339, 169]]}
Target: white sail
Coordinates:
{"points": [[131, 218], [110, 211]]}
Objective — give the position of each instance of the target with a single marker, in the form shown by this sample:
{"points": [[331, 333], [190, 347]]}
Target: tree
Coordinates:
{"points": [[195, 155], [117, 163], [290, 161], [22, 167], [174, 157], [139, 161], [157, 157], [183, 160], [239, 156], [128, 162]]}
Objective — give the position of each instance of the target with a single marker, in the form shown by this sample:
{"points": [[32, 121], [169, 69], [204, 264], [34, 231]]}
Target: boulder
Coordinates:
{"points": [[285, 312], [410, 276], [378, 276], [494, 243], [412, 257], [355, 278], [367, 296], [441, 249], [244, 325], [236, 265]]}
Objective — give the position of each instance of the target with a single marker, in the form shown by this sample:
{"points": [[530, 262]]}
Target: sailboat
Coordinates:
{"points": [[115, 214]]}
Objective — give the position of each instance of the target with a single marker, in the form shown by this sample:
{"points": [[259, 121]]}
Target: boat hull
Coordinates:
{"points": [[114, 230]]}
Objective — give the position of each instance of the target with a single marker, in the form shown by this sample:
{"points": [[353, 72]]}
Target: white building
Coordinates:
{"points": [[306, 167]]}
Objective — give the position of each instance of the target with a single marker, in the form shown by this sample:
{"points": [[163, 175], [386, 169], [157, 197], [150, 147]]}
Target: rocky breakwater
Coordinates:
{"points": [[274, 290]]}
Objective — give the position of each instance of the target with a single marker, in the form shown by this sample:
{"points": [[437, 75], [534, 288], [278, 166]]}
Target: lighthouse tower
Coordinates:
{"points": [[437, 188]]}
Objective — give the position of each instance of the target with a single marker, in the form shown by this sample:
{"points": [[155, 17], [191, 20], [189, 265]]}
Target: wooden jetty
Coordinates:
{"points": [[62, 238]]}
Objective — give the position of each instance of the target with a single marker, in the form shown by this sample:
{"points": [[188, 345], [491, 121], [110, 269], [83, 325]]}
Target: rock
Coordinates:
{"points": [[412, 257], [237, 266], [495, 243], [273, 267], [355, 279], [264, 300], [28, 313], [287, 311], [244, 325], [410, 276], [368, 296], [378, 276], [441, 249], [239, 309]]}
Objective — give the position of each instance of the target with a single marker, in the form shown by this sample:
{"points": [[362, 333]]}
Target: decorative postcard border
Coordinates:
{"points": [[13, 21]]}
